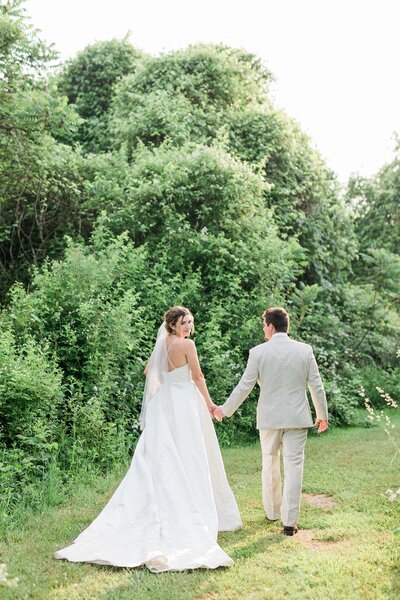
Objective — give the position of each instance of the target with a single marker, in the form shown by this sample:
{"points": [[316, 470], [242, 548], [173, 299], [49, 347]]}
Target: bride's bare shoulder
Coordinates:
{"points": [[186, 343]]}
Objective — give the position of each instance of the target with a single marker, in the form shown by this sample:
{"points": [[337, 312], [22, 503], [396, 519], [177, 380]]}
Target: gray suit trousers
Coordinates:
{"points": [[292, 443]]}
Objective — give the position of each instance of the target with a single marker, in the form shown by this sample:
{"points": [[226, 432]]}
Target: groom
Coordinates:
{"points": [[282, 368]]}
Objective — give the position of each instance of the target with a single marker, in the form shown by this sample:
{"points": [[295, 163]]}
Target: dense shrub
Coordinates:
{"points": [[376, 205], [215, 203], [30, 388], [216, 76], [37, 176], [302, 190], [88, 81], [375, 378], [31, 399]]}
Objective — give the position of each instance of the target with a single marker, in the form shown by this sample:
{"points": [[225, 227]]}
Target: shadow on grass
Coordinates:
{"points": [[261, 545], [140, 583], [190, 584]]}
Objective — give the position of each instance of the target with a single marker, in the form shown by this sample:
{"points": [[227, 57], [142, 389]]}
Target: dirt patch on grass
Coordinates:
{"points": [[306, 536], [320, 501]]}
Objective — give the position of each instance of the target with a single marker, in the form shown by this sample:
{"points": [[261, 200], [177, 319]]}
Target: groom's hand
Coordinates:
{"points": [[323, 425], [218, 414]]}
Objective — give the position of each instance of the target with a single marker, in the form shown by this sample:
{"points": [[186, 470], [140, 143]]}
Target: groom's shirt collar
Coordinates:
{"points": [[279, 336]]}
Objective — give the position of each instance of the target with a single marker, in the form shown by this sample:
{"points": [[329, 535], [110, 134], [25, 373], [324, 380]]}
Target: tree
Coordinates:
{"points": [[376, 212], [184, 95], [35, 194], [302, 191], [208, 93], [376, 203], [88, 81]]}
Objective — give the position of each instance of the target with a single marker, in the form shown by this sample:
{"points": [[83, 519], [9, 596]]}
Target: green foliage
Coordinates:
{"points": [[215, 203], [202, 93], [39, 201], [377, 208], [30, 387], [150, 118], [208, 76], [22, 53], [375, 378], [84, 307], [29, 104], [31, 397], [36, 192], [92, 439], [88, 81], [376, 217], [302, 191], [185, 95], [342, 405]]}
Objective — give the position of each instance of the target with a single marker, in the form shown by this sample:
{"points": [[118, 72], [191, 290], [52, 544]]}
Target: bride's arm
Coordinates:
{"points": [[197, 375], [146, 369]]}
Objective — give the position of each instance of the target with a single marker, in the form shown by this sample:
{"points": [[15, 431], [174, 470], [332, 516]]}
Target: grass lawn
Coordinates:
{"points": [[343, 551]]}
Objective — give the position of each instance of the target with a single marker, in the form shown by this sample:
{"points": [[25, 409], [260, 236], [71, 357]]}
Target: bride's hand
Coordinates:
{"points": [[218, 414], [211, 407]]}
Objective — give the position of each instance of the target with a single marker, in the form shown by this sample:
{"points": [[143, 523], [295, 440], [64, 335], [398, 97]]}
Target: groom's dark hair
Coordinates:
{"points": [[278, 317]]}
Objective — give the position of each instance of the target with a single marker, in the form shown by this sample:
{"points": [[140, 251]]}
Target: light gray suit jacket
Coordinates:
{"points": [[282, 368]]}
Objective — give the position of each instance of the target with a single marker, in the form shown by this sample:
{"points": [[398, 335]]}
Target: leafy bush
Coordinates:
{"points": [[184, 96], [302, 190], [33, 192], [375, 378], [30, 389], [92, 439], [88, 81], [208, 76], [31, 398], [376, 205]]}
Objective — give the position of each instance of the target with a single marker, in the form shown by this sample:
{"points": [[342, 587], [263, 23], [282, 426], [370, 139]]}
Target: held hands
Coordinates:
{"points": [[218, 414], [211, 407], [215, 411], [323, 425]]}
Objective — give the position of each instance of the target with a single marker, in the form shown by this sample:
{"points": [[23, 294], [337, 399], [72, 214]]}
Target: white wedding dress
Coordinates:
{"points": [[175, 497]]}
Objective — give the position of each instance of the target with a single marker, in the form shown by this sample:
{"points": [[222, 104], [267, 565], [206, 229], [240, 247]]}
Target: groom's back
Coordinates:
{"points": [[283, 366]]}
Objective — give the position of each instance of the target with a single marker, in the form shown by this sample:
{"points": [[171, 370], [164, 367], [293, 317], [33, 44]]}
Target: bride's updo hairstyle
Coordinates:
{"points": [[172, 316]]}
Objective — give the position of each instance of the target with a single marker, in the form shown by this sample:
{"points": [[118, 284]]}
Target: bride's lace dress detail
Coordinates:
{"points": [[175, 497]]}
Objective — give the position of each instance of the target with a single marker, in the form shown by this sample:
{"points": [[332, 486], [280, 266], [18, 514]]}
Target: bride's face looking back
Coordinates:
{"points": [[184, 325]]}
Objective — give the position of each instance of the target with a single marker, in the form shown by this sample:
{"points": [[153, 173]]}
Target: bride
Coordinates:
{"points": [[175, 497]]}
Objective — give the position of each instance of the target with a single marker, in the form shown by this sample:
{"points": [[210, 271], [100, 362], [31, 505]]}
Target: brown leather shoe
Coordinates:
{"points": [[289, 530]]}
